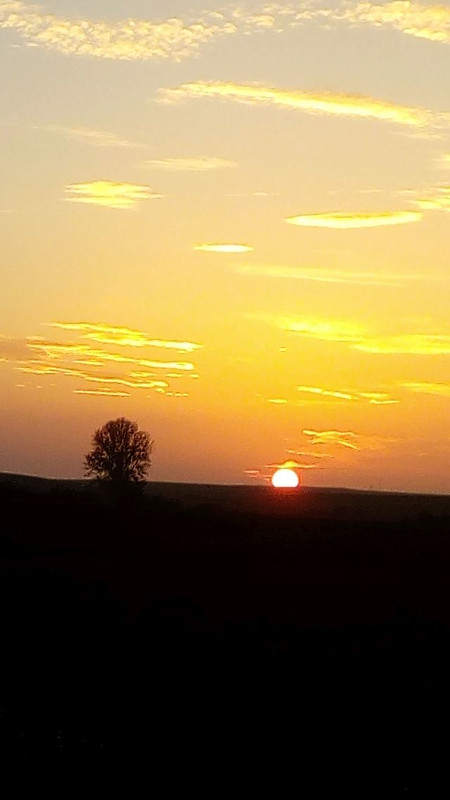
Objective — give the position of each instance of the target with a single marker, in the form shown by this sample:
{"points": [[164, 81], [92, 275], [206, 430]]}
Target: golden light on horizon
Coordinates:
{"points": [[285, 479]]}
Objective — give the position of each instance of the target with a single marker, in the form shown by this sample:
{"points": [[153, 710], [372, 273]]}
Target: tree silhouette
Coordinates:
{"points": [[120, 453]]}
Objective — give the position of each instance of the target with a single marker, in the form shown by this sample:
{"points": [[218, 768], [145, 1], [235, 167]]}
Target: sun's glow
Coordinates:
{"points": [[285, 479]]}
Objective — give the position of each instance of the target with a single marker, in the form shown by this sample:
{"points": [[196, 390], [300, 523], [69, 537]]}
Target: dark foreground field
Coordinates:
{"points": [[219, 640]]}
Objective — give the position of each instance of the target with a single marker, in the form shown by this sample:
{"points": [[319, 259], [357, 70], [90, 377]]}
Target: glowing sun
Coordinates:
{"points": [[285, 479]]}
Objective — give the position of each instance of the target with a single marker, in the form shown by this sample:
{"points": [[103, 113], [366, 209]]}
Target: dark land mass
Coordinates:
{"points": [[219, 639]]}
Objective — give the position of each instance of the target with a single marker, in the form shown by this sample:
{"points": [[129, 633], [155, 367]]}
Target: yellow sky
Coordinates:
{"points": [[228, 223]]}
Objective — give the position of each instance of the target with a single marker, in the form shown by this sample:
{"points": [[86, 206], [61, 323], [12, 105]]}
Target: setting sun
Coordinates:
{"points": [[285, 479]]}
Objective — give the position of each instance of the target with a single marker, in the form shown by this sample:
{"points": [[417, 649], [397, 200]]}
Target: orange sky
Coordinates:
{"points": [[228, 223]]}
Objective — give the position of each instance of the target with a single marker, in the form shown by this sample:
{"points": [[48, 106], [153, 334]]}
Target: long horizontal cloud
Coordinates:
{"points": [[91, 136], [311, 102], [133, 381], [87, 355], [110, 194], [357, 219], [436, 198], [439, 389], [348, 439], [129, 337], [211, 247], [355, 336], [325, 330], [325, 275], [199, 164], [374, 398], [425, 344]]}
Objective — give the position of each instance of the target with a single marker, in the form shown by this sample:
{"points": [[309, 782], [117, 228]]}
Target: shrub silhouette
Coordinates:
{"points": [[120, 453]]}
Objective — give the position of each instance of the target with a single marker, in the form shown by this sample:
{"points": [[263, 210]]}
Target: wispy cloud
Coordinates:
{"points": [[83, 354], [199, 164], [439, 389], [408, 343], [325, 330], [129, 337], [358, 338], [110, 194], [436, 198], [325, 275], [223, 248], [98, 138], [358, 219], [82, 363], [134, 381], [310, 102], [425, 21], [101, 393], [176, 38], [128, 39], [347, 439], [320, 392]]}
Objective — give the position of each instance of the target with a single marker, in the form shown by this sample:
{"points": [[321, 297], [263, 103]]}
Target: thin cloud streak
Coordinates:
{"points": [[97, 138], [310, 102], [128, 337], [438, 389], [341, 331], [110, 194], [420, 344], [199, 164], [325, 275], [352, 220], [223, 248], [99, 357]]}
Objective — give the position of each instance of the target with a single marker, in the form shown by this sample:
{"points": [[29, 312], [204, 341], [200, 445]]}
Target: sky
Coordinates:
{"points": [[230, 224]]}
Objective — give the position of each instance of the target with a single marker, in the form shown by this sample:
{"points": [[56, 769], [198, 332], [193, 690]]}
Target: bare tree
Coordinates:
{"points": [[120, 453]]}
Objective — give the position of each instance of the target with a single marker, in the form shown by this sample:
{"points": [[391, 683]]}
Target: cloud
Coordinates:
{"points": [[83, 354], [310, 102], [223, 248], [424, 21], [317, 390], [435, 199], [355, 336], [98, 138], [408, 343], [321, 395], [324, 275], [347, 220], [86, 364], [325, 330], [110, 194], [439, 389], [347, 439], [174, 38], [134, 381], [128, 337], [341, 438], [199, 164], [128, 39], [101, 392]]}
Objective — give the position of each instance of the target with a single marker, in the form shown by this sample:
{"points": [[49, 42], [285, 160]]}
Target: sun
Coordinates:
{"points": [[285, 479]]}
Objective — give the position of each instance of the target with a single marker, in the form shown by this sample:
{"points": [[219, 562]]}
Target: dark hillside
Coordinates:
{"points": [[155, 631]]}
